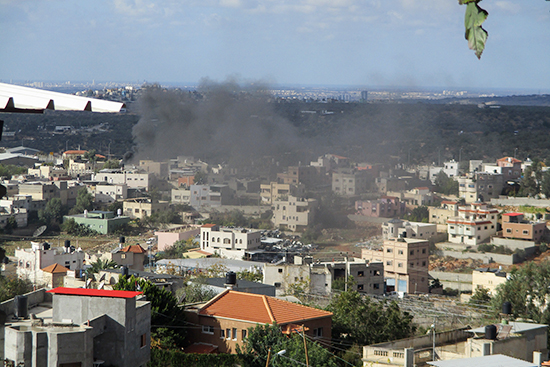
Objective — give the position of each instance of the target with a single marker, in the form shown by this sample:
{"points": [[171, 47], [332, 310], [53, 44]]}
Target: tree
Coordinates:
{"points": [[167, 319], [252, 276], [77, 229], [531, 181], [481, 295], [99, 265], [200, 178], [362, 321], [111, 164], [11, 224], [11, 287], [445, 185], [84, 201], [53, 213], [527, 290], [419, 214], [545, 185], [262, 338], [197, 292]]}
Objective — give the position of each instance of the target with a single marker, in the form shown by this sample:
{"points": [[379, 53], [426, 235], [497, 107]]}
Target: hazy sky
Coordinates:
{"points": [[411, 43]]}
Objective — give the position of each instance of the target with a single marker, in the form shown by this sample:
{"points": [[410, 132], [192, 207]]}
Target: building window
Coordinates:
{"points": [[277, 285], [360, 274], [411, 252], [123, 256], [228, 333], [359, 287], [376, 286], [389, 250], [525, 231], [318, 332], [423, 250], [280, 270], [234, 333], [222, 334], [207, 329], [399, 265], [423, 263], [143, 342], [400, 252], [244, 334], [389, 262]]}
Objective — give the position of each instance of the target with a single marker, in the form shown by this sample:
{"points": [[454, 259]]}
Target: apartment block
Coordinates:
{"points": [[475, 224], [405, 264], [514, 225]]}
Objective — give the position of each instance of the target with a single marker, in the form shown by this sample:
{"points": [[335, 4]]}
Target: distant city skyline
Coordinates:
{"points": [[409, 44]]}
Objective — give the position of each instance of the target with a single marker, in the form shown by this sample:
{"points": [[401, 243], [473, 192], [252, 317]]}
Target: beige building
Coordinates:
{"points": [[516, 339], [49, 172], [274, 191], [397, 228], [447, 209], [405, 264], [159, 169], [294, 213], [134, 180], [514, 225], [488, 278], [142, 207]]}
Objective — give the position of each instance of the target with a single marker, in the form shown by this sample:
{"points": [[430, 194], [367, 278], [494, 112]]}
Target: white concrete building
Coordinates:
{"points": [[134, 180], [30, 261], [232, 243], [397, 228], [475, 223]]}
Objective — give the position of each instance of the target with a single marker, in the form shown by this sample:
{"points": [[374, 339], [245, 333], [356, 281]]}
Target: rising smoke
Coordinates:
{"points": [[219, 122]]}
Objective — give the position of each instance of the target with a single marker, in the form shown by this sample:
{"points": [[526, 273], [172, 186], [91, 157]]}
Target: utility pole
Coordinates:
{"points": [[305, 344]]}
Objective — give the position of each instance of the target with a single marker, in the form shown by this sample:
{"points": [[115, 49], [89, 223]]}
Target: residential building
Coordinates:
{"points": [[306, 175], [385, 207], [350, 182], [181, 196], [447, 209], [20, 216], [210, 195], [224, 320], [39, 190], [166, 239], [134, 180], [109, 193], [515, 339], [104, 222], [488, 278], [508, 167], [132, 256], [274, 191], [219, 285], [406, 263], [49, 172], [233, 243], [294, 213], [159, 169], [140, 208], [386, 185], [480, 186], [195, 266], [450, 168], [397, 228], [514, 225], [30, 261], [475, 224]]}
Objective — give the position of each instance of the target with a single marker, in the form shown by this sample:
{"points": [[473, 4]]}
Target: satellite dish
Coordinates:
{"points": [[39, 231]]}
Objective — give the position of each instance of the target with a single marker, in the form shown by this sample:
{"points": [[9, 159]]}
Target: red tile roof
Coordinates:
{"points": [[512, 214], [94, 292], [209, 225], [136, 249], [259, 308], [56, 269]]}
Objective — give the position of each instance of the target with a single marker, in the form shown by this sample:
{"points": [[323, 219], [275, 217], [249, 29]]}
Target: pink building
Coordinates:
{"points": [[166, 239], [385, 207]]}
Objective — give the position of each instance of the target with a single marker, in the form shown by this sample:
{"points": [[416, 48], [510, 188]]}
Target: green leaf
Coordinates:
{"points": [[475, 34]]}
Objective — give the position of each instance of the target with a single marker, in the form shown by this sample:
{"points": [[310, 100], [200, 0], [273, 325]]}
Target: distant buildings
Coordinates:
{"points": [[293, 213], [232, 243]]}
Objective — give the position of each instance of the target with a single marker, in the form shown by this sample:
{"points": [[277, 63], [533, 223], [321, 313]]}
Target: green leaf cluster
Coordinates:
{"points": [[262, 338], [77, 229], [167, 319], [362, 321], [473, 19], [13, 286], [528, 290], [445, 185], [175, 358]]}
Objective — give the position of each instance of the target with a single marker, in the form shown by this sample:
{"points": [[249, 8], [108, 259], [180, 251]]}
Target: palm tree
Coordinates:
{"points": [[99, 265]]}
